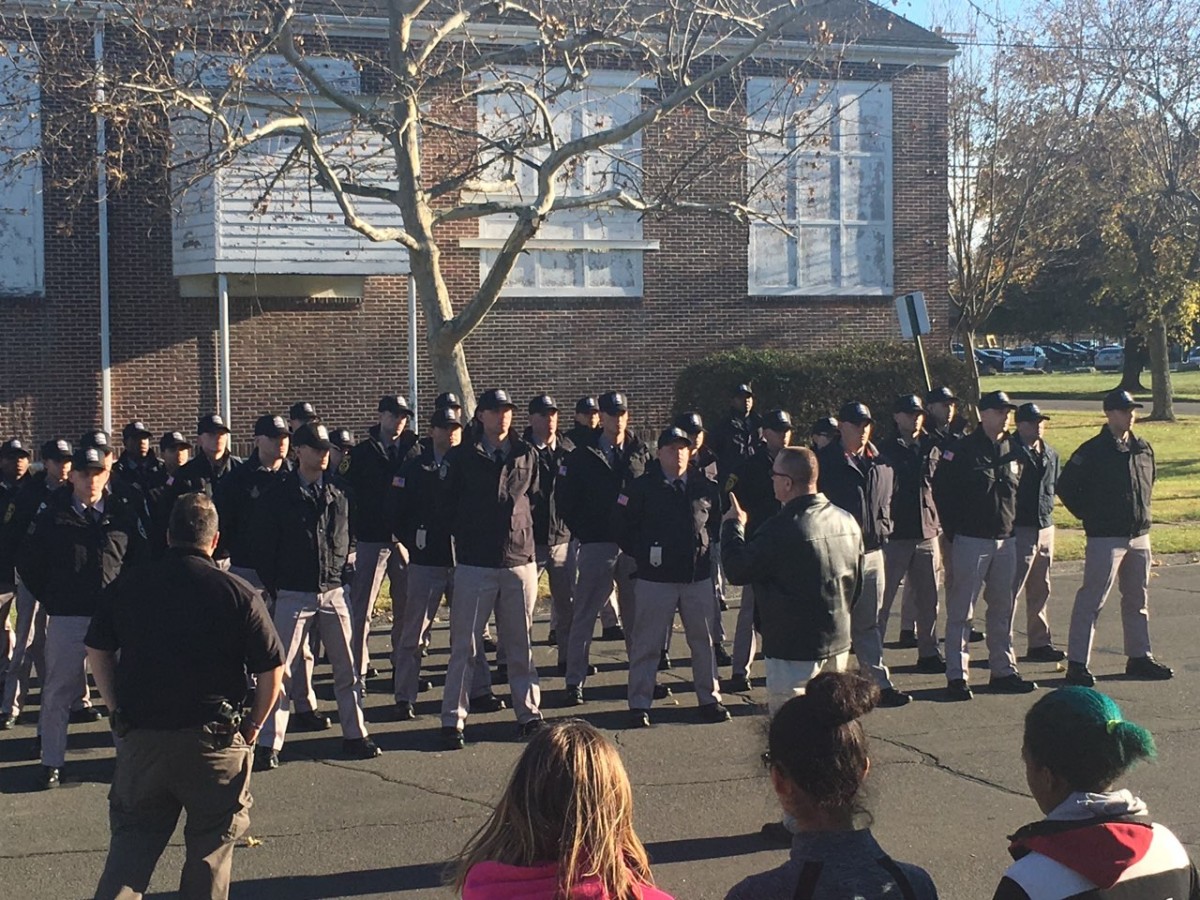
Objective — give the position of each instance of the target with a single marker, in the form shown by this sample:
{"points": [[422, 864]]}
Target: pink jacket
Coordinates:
{"points": [[499, 881]]}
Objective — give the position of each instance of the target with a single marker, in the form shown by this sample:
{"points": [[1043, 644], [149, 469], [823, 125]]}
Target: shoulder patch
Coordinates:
{"points": [[344, 465], [562, 469], [731, 483], [9, 512], [947, 455], [398, 481], [622, 500], [170, 480]]}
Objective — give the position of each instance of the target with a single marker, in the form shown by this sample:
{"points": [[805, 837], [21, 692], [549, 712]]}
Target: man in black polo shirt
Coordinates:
{"points": [[187, 635]]}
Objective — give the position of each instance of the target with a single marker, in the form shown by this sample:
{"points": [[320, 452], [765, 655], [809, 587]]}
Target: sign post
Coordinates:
{"points": [[914, 322]]}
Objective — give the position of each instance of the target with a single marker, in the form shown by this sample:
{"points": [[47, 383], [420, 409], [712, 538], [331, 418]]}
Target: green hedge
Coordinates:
{"points": [[810, 385]]}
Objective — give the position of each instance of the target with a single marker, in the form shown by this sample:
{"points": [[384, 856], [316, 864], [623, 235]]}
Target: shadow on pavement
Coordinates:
{"points": [[394, 880]]}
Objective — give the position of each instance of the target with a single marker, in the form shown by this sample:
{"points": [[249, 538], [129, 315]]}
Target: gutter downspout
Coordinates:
{"points": [[412, 348], [106, 411]]}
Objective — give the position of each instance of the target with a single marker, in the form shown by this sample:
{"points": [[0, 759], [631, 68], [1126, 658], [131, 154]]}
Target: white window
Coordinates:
{"points": [[22, 263], [593, 252], [820, 176]]}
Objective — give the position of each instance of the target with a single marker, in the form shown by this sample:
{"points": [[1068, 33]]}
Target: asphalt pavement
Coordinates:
{"points": [[946, 782]]}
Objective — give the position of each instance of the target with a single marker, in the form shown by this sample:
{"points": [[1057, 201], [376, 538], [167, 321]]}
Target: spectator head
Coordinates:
{"points": [[568, 801], [794, 473], [817, 750], [1077, 740], [193, 523]]}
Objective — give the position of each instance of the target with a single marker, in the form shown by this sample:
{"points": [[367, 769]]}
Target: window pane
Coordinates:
{"points": [[769, 182], [613, 269], [816, 188], [865, 188], [866, 122], [817, 256], [770, 255], [559, 268], [865, 262]]}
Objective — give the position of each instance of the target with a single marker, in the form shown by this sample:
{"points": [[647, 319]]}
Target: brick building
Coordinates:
{"points": [[674, 287]]}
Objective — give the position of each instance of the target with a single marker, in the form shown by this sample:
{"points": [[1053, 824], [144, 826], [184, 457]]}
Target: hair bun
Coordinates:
{"points": [[841, 697]]}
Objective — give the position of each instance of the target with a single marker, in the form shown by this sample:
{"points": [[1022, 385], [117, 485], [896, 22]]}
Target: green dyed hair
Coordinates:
{"points": [[1080, 735]]}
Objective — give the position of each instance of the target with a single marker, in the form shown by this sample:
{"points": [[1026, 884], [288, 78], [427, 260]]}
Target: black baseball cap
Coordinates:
{"points": [[494, 399], [303, 411], [543, 403], [89, 459], [1119, 399], [211, 424], [341, 438], [136, 429], [825, 425], [446, 417], [97, 438], [271, 426], [312, 434], [673, 435], [777, 420], [58, 449], [447, 400], [854, 412], [396, 404], [742, 390], [587, 405], [613, 403], [908, 403], [173, 439], [995, 400], [1029, 412], [941, 394], [689, 422], [13, 448]]}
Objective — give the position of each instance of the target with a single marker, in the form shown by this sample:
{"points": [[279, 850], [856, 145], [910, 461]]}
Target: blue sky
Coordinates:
{"points": [[929, 13]]}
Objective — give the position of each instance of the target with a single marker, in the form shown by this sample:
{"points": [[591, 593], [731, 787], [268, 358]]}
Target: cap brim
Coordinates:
{"points": [[139, 434], [318, 445], [273, 433]]}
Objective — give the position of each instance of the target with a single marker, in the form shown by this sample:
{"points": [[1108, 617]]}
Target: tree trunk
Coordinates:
{"points": [[1160, 374], [450, 372], [973, 363], [1131, 377]]}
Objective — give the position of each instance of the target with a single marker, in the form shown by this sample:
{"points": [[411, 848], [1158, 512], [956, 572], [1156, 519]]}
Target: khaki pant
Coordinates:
{"points": [[1107, 561], [719, 585], [602, 566], [64, 683], [655, 613], [558, 562], [987, 565], [745, 639], [864, 622], [1035, 553], [787, 678], [513, 594], [372, 561], [303, 695], [916, 562], [28, 651], [8, 595], [426, 587], [296, 612], [160, 774]]}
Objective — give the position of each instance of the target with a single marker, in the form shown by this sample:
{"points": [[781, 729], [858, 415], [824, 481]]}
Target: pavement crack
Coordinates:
{"points": [[932, 760], [400, 781]]}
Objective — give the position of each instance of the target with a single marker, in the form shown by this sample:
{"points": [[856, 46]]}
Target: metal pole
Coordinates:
{"points": [[223, 392], [412, 352], [912, 318], [106, 411]]}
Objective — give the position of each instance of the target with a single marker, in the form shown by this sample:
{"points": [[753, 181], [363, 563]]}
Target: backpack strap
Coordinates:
{"points": [[898, 876], [806, 886]]}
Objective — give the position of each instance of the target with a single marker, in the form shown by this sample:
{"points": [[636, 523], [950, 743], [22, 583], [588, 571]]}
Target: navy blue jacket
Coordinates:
{"points": [[865, 493], [1035, 491]]}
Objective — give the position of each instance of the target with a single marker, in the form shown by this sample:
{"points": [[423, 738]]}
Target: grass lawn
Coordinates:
{"points": [[1082, 386]]}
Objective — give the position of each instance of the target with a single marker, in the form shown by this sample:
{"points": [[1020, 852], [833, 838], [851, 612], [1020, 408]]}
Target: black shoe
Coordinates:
{"points": [[361, 748], [424, 685], [1079, 675], [1046, 654], [500, 676], [662, 691], [573, 695], [738, 684], [714, 712], [50, 778], [8, 723], [486, 703], [1148, 668], [265, 759], [931, 665], [977, 636], [776, 834], [1011, 684], [639, 718], [613, 633], [664, 662], [489, 646], [552, 638], [724, 606], [451, 738], [404, 711], [530, 728], [424, 652], [309, 721], [371, 672], [84, 715], [890, 698], [908, 640], [958, 689], [722, 655]]}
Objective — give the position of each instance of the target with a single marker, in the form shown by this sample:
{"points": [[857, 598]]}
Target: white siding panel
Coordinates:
{"points": [[22, 261]]}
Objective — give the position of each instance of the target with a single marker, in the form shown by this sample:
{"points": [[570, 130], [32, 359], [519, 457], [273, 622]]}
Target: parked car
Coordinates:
{"points": [[1026, 358], [1191, 362], [989, 361], [959, 351], [1110, 359], [1062, 355]]}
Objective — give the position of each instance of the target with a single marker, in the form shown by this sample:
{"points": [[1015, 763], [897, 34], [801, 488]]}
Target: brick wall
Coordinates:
{"points": [[342, 355]]}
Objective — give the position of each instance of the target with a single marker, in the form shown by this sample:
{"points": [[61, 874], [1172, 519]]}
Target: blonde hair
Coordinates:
{"points": [[568, 801]]}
